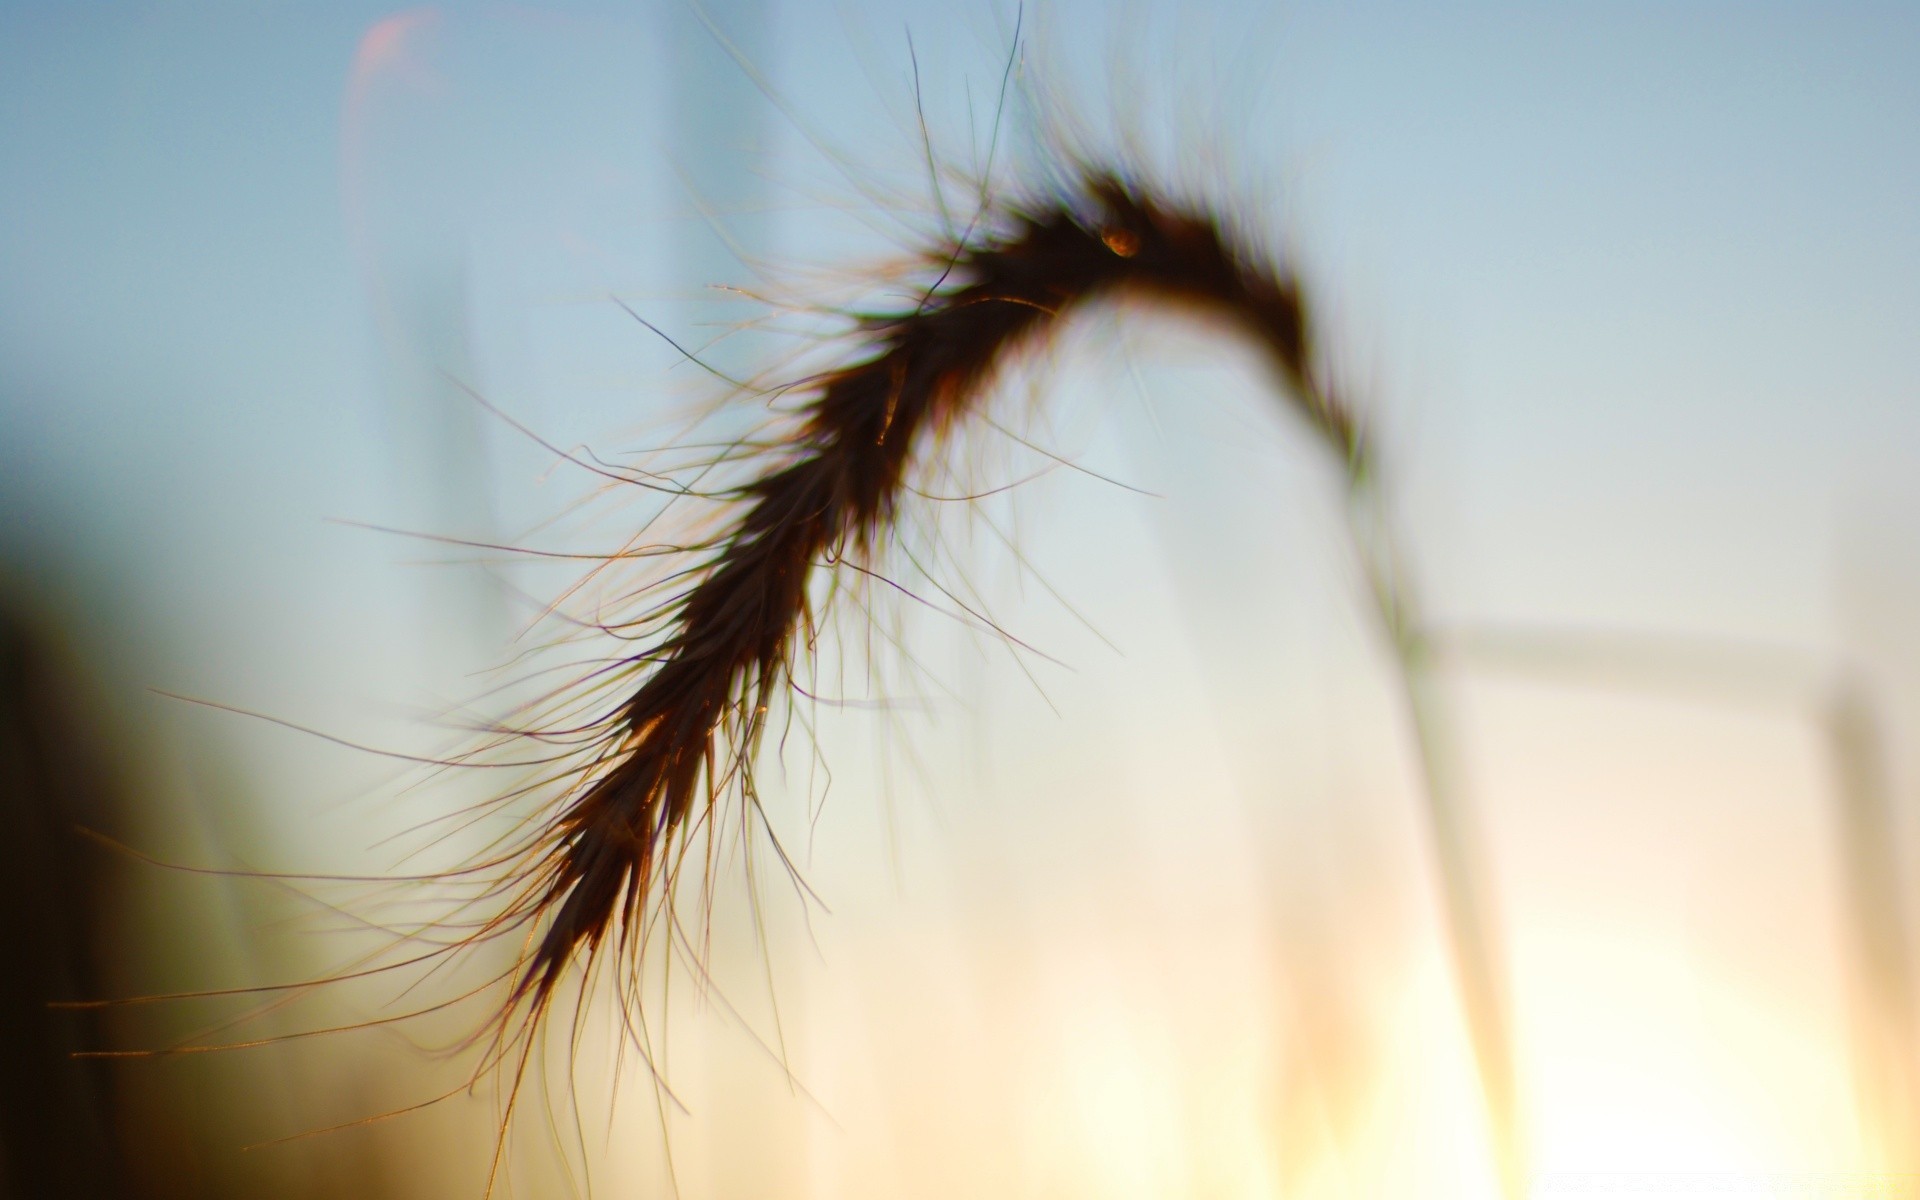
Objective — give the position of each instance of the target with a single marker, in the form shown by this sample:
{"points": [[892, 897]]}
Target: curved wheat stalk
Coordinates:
{"points": [[673, 745], [601, 872]]}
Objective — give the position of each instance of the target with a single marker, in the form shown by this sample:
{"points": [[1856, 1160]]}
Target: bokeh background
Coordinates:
{"points": [[1631, 292]]}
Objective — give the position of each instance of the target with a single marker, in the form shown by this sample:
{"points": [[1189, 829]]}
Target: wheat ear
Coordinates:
{"points": [[673, 748], [605, 864]]}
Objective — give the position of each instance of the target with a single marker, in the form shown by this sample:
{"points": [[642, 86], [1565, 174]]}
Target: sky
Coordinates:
{"points": [[1630, 289]]}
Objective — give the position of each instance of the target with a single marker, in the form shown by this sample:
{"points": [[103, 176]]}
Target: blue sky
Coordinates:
{"points": [[1601, 251]]}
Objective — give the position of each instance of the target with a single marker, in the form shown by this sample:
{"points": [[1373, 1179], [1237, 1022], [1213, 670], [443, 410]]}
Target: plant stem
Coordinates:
{"points": [[1883, 1022], [1454, 837]]}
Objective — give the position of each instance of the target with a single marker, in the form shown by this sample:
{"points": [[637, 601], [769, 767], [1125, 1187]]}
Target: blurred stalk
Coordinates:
{"points": [[86, 925], [1844, 712], [719, 48], [57, 1114], [1883, 998], [1454, 838]]}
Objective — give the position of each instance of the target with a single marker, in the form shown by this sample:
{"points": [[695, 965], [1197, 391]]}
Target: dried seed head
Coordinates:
{"points": [[683, 741]]}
